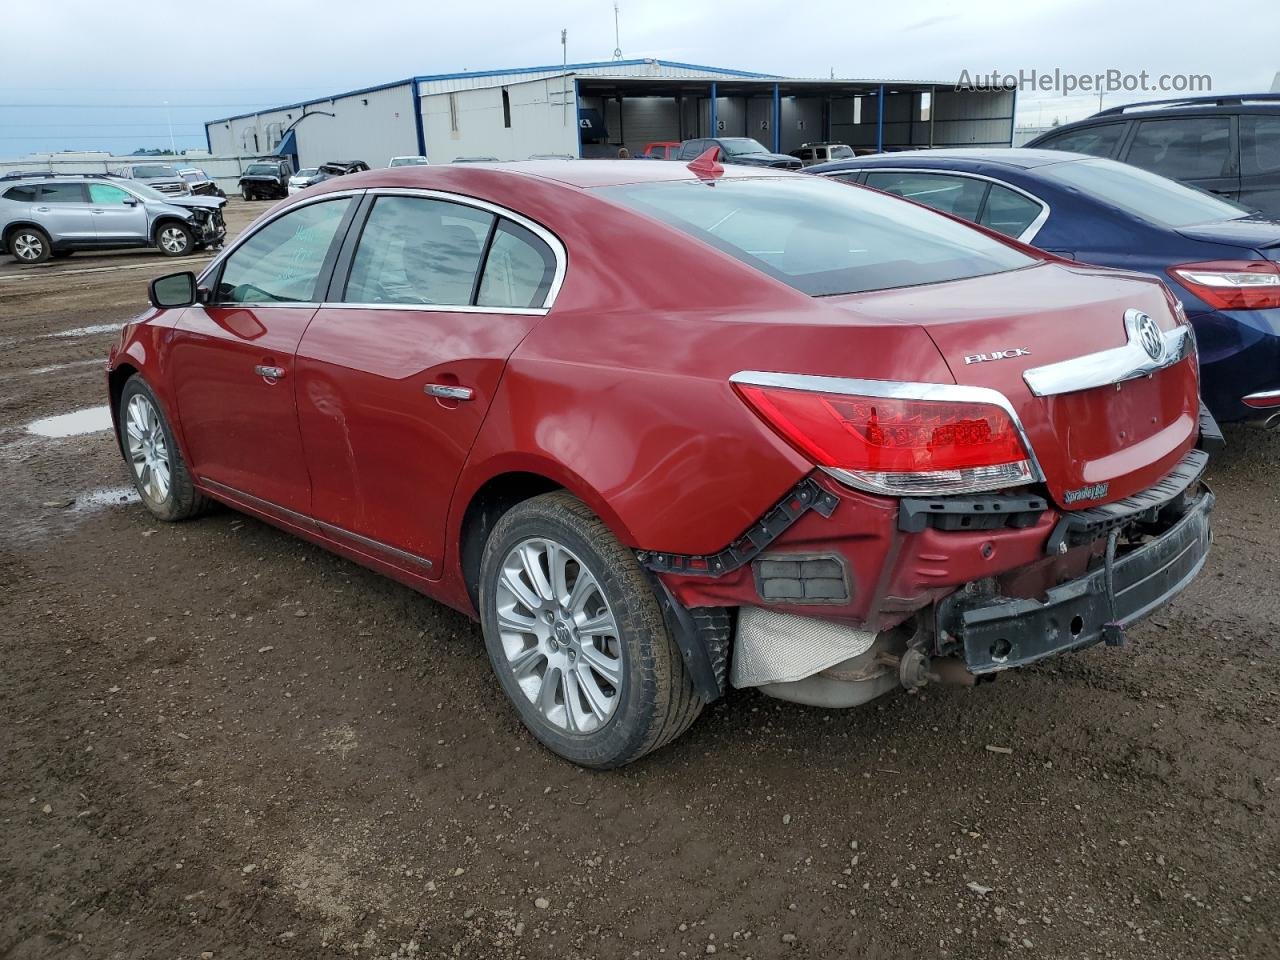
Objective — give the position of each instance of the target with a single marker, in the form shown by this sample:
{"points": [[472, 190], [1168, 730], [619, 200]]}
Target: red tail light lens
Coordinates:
{"points": [[1232, 284], [897, 445]]}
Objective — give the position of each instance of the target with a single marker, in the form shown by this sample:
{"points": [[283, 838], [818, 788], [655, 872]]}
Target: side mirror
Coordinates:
{"points": [[131, 202], [175, 290]]}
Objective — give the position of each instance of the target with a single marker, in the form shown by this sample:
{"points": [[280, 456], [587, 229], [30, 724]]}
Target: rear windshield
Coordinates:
{"points": [[257, 169], [1146, 195], [822, 237]]}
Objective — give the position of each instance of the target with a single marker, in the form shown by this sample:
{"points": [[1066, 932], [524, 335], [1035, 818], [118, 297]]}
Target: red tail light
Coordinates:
{"points": [[922, 444], [1232, 284]]}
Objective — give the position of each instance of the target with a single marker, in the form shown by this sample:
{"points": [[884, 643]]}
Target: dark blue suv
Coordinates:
{"points": [[1222, 262]]}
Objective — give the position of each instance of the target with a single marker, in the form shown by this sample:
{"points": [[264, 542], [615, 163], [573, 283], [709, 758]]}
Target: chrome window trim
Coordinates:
{"points": [[1115, 365], [435, 308], [1026, 236], [542, 233], [894, 390]]}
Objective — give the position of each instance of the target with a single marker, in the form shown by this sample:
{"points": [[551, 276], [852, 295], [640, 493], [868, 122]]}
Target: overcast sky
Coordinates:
{"points": [[84, 74]]}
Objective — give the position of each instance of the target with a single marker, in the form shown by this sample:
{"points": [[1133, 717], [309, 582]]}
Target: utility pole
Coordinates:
{"points": [[564, 78], [173, 147], [617, 35]]}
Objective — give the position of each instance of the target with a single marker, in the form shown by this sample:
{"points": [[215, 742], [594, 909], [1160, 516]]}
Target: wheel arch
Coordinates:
{"points": [[11, 228], [117, 377], [166, 218]]}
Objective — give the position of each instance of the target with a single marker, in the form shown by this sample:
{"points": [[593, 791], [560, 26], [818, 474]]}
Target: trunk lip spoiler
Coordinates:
{"points": [[1116, 364], [900, 390]]}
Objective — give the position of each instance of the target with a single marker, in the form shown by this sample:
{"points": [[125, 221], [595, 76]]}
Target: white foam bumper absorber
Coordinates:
{"points": [[773, 647]]}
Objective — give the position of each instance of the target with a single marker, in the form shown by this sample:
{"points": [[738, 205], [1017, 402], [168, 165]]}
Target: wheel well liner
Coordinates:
{"points": [[498, 495], [116, 380]]}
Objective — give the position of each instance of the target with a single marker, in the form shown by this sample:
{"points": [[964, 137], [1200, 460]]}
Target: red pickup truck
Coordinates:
{"points": [[666, 428]]}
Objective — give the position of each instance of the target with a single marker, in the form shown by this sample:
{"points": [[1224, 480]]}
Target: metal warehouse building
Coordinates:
{"points": [[593, 109]]}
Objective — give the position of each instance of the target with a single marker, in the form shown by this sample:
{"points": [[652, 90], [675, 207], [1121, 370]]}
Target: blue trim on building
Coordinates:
{"points": [[558, 68], [576, 122], [777, 120], [417, 120], [880, 122], [713, 132]]}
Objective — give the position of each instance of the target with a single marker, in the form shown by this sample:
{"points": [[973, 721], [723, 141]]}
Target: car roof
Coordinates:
{"points": [[580, 173], [1022, 158]]}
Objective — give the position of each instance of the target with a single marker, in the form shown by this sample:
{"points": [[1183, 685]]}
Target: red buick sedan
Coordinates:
{"points": [[665, 429]]}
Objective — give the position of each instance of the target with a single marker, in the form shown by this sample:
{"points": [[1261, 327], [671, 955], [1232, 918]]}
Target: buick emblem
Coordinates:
{"points": [[1149, 336]]}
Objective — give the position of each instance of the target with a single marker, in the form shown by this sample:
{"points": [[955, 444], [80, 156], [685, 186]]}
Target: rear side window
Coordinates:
{"points": [[1099, 141], [21, 194], [282, 262], [1185, 148], [518, 270], [1259, 143], [1008, 211], [692, 149], [958, 196], [62, 193], [414, 250], [819, 237]]}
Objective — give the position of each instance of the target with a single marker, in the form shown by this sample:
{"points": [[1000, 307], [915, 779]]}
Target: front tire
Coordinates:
{"points": [[576, 636], [30, 245], [173, 239], [245, 194], [159, 473]]}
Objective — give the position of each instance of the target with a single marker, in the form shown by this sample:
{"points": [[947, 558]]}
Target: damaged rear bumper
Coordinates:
{"points": [[998, 633]]}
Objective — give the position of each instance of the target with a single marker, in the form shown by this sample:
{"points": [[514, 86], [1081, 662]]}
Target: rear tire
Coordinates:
{"points": [[592, 669], [159, 473], [30, 245]]}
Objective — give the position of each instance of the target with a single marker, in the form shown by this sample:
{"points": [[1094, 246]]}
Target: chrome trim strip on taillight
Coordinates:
{"points": [[895, 390], [1115, 365]]}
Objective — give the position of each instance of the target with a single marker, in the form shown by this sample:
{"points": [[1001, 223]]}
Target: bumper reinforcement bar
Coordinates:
{"points": [[998, 633]]}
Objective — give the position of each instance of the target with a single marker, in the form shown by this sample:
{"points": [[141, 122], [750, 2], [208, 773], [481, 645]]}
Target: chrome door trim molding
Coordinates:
{"points": [[1026, 236], [433, 308], [1115, 365], [895, 390], [302, 520]]}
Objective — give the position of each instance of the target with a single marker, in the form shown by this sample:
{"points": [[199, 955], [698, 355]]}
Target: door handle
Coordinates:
{"points": [[270, 373], [447, 391], [42, 209]]}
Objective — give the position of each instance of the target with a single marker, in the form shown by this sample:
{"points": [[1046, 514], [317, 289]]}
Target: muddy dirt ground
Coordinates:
{"points": [[221, 742]]}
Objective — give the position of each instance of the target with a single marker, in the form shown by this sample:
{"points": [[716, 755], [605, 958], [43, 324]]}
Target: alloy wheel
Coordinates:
{"points": [[173, 240], [148, 448], [559, 635], [28, 246]]}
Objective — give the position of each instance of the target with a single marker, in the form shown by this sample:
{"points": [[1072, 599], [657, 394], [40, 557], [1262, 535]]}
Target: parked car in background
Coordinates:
{"points": [[46, 215], [1228, 145], [200, 182], [342, 168], [891, 449], [1222, 263], [476, 159], [306, 177], [266, 179], [740, 150], [409, 162], [811, 153], [162, 177], [660, 150], [552, 156]]}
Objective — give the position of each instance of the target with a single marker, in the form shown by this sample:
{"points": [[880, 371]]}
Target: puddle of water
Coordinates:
{"points": [[105, 497], [90, 420], [53, 368], [87, 331]]}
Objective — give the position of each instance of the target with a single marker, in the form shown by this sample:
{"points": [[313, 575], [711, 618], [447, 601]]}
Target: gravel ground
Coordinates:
{"points": [[222, 742]]}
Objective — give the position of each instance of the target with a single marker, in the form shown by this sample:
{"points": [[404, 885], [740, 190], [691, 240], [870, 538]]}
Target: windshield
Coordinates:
{"points": [[192, 176], [307, 172], [1143, 194], [145, 192], [269, 169], [822, 237], [155, 171], [737, 146]]}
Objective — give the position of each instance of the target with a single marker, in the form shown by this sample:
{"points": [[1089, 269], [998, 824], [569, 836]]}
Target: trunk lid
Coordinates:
{"points": [[1094, 445], [1255, 233]]}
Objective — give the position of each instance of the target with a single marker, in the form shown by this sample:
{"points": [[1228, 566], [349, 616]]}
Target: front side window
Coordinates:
{"points": [[958, 196], [62, 193], [1259, 144], [108, 193], [1099, 141], [692, 149], [282, 262], [1009, 212], [1187, 148], [415, 250], [518, 270], [840, 152], [819, 237]]}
